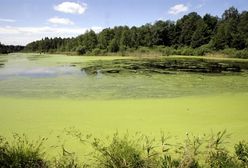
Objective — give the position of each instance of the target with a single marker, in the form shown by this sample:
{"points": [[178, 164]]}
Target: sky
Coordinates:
{"points": [[23, 21]]}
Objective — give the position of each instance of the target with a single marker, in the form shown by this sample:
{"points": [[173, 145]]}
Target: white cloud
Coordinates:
{"points": [[60, 21], [71, 7], [24, 35], [179, 8], [7, 20]]}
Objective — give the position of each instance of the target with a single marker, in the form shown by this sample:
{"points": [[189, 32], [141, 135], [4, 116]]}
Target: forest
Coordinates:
{"points": [[5, 49], [190, 35]]}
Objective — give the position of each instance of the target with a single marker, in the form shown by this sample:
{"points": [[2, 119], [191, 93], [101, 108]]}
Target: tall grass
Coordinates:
{"points": [[129, 151], [22, 153]]}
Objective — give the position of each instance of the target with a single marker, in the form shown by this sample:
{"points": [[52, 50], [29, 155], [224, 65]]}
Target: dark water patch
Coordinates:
{"points": [[3, 62], [165, 66]]}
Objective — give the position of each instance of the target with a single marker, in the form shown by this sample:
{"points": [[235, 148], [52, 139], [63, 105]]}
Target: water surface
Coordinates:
{"points": [[47, 76], [41, 95]]}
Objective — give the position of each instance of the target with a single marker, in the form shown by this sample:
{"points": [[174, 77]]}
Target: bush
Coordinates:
{"points": [[129, 152], [222, 159], [186, 51], [144, 50], [67, 160], [131, 50], [167, 51], [189, 153], [218, 156], [121, 153], [229, 52], [234, 53], [203, 50], [242, 54], [169, 162], [96, 52], [21, 153], [81, 50], [241, 150]]}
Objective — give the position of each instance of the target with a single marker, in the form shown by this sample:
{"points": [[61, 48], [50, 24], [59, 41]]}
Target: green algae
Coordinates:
{"points": [[42, 96]]}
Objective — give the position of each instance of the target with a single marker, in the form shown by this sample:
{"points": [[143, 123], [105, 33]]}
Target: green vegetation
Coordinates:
{"points": [[21, 153], [166, 65], [127, 151], [108, 78], [5, 49], [39, 92], [43, 94], [190, 35]]}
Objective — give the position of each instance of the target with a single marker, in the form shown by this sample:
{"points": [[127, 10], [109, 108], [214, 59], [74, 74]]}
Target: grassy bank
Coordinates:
{"points": [[158, 51], [168, 51], [127, 151]]}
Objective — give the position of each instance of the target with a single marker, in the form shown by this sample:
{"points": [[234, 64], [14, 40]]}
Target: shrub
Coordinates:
{"points": [[234, 53], [168, 162], [241, 150], [242, 54], [203, 50], [21, 153], [129, 152], [222, 159], [190, 151], [131, 50], [121, 153], [81, 50], [229, 52], [167, 51], [144, 50], [96, 52], [186, 51], [218, 156], [67, 160]]}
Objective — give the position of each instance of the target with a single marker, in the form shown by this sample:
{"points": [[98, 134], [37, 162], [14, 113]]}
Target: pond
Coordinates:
{"points": [[59, 76], [41, 95]]}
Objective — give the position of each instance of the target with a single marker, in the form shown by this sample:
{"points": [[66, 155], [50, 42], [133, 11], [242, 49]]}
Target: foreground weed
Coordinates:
{"points": [[21, 153]]}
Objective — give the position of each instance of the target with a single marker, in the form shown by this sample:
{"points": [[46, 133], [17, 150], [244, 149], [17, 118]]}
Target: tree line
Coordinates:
{"points": [[5, 49], [192, 30]]}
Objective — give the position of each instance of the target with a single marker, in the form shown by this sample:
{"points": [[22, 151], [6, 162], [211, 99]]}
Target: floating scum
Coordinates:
{"points": [[144, 101]]}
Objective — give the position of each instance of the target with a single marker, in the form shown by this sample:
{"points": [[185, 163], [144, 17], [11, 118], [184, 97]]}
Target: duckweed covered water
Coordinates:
{"points": [[42, 94], [62, 77]]}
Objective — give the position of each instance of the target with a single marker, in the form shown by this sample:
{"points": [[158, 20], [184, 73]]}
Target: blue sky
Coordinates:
{"points": [[22, 21]]}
